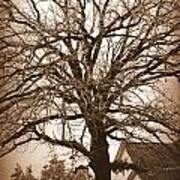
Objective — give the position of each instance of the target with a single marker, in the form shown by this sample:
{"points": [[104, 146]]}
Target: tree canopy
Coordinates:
{"points": [[76, 73]]}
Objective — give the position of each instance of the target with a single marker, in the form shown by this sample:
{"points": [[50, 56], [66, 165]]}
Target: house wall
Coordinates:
{"points": [[136, 178], [126, 173]]}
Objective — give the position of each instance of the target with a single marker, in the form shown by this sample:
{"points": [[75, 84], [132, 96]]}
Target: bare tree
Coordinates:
{"points": [[77, 73]]}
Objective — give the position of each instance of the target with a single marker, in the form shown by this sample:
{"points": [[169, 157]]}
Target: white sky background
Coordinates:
{"points": [[37, 156]]}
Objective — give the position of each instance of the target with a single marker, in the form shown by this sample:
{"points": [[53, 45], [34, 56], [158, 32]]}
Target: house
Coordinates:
{"points": [[160, 162]]}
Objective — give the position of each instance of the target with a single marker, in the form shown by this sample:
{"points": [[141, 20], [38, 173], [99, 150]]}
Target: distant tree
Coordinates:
{"points": [[54, 170], [85, 68], [18, 173], [28, 174]]}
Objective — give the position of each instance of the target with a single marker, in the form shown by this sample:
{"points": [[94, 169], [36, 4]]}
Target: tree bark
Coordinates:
{"points": [[100, 162]]}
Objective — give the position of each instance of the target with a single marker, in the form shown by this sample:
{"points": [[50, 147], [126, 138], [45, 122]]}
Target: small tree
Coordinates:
{"points": [[86, 67], [28, 174], [54, 170], [18, 173]]}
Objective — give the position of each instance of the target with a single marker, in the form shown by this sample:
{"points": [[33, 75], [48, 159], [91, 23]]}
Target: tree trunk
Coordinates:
{"points": [[100, 163]]}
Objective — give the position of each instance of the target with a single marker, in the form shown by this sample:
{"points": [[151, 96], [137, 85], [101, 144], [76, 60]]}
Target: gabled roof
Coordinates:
{"points": [[162, 161]]}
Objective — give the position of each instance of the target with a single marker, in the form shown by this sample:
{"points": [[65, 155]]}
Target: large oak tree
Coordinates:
{"points": [[76, 73]]}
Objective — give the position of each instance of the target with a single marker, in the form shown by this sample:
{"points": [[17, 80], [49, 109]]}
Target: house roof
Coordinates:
{"points": [[162, 161]]}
